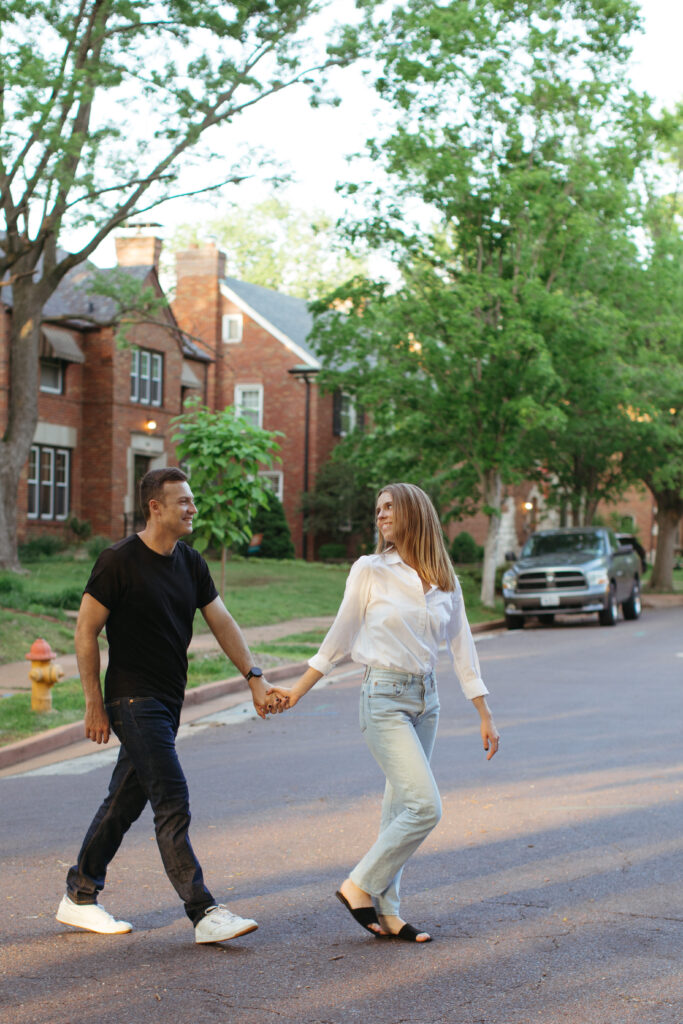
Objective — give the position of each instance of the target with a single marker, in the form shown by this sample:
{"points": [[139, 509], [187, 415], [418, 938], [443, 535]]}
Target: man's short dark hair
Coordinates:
{"points": [[152, 486]]}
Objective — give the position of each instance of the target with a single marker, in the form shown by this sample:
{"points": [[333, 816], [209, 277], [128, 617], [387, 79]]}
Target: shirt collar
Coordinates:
{"points": [[392, 557]]}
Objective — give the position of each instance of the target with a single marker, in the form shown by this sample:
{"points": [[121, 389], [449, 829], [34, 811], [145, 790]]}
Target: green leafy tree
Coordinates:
{"points": [[515, 144], [277, 246], [223, 454], [105, 104], [654, 348]]}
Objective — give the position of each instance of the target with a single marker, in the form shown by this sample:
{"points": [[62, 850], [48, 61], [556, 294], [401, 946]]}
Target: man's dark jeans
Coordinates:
{"points": [[147, 769]]}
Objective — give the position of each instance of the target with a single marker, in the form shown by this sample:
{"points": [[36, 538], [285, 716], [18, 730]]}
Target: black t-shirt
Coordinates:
{"points": [[152, 600]]}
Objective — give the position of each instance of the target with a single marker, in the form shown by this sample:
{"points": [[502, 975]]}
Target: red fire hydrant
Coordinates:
{"points": [[43, 675]]}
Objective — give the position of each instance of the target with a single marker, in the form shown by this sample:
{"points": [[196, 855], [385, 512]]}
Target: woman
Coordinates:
{"points": [[399, 604]]}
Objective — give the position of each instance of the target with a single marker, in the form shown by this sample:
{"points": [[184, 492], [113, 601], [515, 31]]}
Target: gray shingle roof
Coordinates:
{"points": [[291, 316]]}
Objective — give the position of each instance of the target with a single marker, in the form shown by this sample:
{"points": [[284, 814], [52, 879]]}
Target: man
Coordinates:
{"points": [[145, 591]]}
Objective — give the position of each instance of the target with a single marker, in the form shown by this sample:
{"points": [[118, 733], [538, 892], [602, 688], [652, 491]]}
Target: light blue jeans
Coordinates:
{"points": [[399, 714]]}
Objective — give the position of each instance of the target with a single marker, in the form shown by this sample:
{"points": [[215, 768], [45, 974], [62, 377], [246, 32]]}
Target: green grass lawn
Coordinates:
{"points": [[42, 602], [18, 721]]}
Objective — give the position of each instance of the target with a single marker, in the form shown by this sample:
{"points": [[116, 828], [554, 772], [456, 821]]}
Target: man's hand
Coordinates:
{"points": [[97, 726]]}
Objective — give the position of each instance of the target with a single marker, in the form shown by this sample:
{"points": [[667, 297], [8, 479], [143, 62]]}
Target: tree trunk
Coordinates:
{"points": [[493, 497], [669, 512], [22, 410]]}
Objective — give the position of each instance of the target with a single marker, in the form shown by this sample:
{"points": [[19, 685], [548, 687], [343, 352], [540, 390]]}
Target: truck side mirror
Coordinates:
{"points": [[510, 556]]}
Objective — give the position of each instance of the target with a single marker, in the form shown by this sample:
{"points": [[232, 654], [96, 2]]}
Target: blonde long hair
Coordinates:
{"points": [[418, 536]]}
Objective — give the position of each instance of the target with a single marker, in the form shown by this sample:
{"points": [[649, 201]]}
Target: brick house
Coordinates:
{"points": [[263, 365], [103, 411]]}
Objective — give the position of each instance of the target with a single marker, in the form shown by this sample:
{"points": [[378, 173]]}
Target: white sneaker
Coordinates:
{"points": [[219, 924], [90, 916]]}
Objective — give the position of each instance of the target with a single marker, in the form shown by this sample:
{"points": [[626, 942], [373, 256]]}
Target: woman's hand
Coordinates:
{"points": [[489, 734]]}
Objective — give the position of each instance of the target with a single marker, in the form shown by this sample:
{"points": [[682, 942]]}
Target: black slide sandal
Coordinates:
{"points": [[407, 934], [365, 916]]}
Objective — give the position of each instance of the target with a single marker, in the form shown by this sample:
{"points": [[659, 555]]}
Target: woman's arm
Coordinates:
{"points": [[349, 619]]}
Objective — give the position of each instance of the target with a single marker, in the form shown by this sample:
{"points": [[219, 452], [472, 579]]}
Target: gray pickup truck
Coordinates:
{"points": [[573, 571]]}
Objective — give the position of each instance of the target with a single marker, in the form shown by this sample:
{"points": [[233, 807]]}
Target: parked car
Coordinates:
{"points": [[573, 571]]}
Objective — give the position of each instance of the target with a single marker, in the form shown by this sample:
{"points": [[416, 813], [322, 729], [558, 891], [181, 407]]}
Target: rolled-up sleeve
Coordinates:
{"points": [[463, 652], [345, 628]]}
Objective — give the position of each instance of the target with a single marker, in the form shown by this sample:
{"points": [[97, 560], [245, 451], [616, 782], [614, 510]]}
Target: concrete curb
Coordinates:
{"points": [[65, 735]]}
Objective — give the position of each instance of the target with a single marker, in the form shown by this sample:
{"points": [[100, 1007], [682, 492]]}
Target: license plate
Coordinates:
{"points": [[550, 600]]}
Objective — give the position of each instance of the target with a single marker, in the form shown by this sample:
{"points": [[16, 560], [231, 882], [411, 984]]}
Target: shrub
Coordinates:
{"points": [[97, 545], [464, 549], [80, 528], [70, 597], [11, 584], [38, 547], [331, 551], [272, 523]]}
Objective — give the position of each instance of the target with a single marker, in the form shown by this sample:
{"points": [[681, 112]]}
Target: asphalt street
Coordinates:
{"points": [[552, 886]]}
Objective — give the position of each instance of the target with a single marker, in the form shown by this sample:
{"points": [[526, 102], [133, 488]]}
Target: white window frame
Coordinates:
{"points": [[240, 391], [37, 481], [46, 389], [146, 377], [347, 411], [46, 485], [33, 477], [232, 328], [277, 478], [62, 487]]}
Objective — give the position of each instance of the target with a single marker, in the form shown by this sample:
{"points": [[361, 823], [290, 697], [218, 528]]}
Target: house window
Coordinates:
{"points": [[345, 417], [146, 375], [52, 376], [232, 328], [249, 403], [48, 482], [274, 480]]}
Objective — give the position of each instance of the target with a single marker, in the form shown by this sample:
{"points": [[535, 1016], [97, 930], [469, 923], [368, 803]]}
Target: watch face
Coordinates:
{"points": [[255, 672]]}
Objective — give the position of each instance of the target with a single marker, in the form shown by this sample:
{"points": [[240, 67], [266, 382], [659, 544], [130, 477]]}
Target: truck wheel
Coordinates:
{"points": [[632, 607], [514, 621], [609, 615]]}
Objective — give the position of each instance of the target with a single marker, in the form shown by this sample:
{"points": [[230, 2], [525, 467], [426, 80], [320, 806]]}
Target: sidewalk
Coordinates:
{"points": [[199, 701], [14, 676]]}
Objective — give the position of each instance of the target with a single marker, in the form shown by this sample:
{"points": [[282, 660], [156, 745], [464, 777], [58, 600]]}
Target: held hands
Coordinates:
{"points": [[266, 700], [285, 695]]}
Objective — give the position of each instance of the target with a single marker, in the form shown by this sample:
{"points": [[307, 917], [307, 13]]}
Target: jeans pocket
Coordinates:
{"points": [[385, 688], [362, 716]]}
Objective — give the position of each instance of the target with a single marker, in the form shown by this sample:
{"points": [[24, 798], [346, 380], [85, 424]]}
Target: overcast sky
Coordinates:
{"points": [[314, 143]]}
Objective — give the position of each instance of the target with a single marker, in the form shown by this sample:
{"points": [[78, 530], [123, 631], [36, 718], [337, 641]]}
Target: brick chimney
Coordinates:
{"points": [[198, 305], [201, 261], [138, 245]]}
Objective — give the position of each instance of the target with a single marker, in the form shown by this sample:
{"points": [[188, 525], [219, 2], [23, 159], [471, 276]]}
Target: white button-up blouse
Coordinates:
{"points": [[387, 621]]}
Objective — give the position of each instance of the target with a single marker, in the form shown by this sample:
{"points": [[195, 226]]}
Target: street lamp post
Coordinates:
{"points": [[306, 374]]}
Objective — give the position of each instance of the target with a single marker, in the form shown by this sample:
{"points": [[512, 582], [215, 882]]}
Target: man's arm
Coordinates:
{"points": [[91, 619], [231, 639]]}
